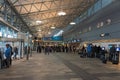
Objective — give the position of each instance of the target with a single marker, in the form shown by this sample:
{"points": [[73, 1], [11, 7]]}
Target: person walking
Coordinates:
{"points": [[15, 52]]}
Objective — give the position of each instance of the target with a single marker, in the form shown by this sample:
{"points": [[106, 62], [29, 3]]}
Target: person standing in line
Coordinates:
{"points": [[74, 49], [112, 49], [99, 49], [11, 53], [83, 51], [89, 49], [112, 52], [66, 49], [47, 50], [39, 49]]}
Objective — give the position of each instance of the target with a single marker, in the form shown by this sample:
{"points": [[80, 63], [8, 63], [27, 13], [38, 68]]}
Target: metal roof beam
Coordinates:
{"points": [[17, 14], [56, 9], [35, 3]]}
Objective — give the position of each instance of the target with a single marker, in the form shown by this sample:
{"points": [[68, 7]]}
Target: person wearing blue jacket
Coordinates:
{"points": [[7, 55], [89, 49]]}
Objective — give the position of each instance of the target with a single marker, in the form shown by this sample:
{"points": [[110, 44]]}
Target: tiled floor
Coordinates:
{"points": [[60, 66]]}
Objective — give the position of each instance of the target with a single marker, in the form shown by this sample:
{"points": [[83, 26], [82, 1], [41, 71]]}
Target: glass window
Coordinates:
{"points": [[106, 2], [97, 6]]}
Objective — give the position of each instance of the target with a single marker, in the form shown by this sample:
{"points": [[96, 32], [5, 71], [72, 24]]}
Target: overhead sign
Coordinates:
{"points": [[57, 38], [53, 38]]}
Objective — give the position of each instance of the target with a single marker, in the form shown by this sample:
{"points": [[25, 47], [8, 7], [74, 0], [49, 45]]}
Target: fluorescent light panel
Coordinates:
{"points": [[49, 32], [72, 23], [39, 30], [61, 13], [38, 22], [52, 27]]}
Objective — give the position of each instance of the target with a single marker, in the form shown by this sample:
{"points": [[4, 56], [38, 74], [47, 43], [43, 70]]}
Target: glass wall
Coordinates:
{"points": [[7, 32]]}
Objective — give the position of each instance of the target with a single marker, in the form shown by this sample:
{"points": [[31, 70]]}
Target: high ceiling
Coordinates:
{"points": [[47, 12]]}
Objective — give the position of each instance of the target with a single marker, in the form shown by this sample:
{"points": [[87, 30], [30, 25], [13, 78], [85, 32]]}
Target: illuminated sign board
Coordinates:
{"points": [[53, 38]]}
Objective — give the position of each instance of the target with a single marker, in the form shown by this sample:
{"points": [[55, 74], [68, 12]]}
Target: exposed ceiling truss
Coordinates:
{"points": [[47, 12]]}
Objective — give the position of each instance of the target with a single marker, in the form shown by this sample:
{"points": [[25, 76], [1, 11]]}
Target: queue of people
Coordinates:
{"points": [[53, 49], [93, 51]]}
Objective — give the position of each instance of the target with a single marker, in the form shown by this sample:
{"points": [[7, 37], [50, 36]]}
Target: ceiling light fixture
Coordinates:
{"points": [[39, 30], [52, 27], [38, 22], [72, 23], [61, 13], [49, 32]]}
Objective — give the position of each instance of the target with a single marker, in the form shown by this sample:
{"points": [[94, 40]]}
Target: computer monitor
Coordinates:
{"points": [[74, 40], [103, 48], [118, 49], [78, 40]]}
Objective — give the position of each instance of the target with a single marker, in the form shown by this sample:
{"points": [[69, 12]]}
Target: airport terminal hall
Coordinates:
{"points": [[59, 39]]}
